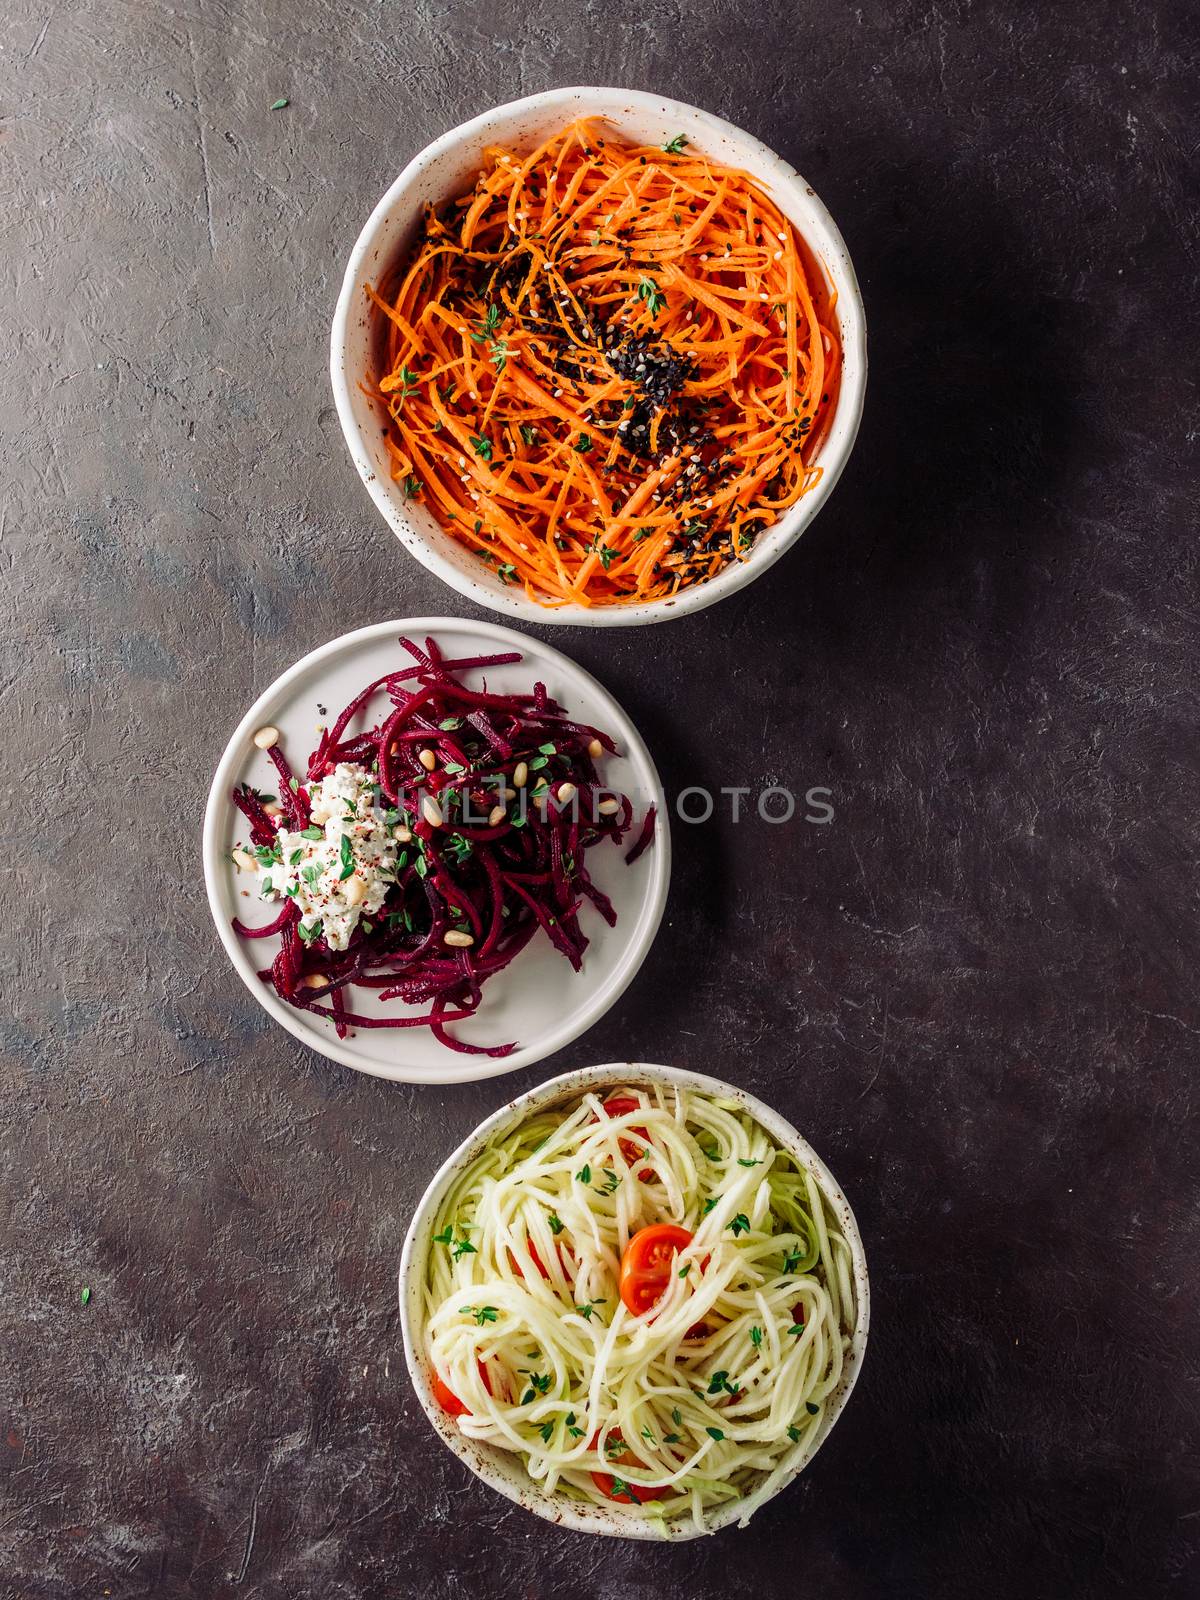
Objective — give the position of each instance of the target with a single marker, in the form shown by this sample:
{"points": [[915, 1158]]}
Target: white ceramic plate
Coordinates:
{"points": [[448, 167], [538, 1001], [499, 1468]]}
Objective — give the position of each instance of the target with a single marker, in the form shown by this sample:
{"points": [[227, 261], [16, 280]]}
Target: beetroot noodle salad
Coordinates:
{"points": [[419, 857]]}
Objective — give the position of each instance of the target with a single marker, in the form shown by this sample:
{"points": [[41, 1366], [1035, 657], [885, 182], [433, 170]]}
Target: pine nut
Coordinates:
{"points": [[427, 759], [566, 793], [273, 808], [266, 737], [595, 749], [243, 860], [431, 811], [457, 939], [355, 891], [403, 834], [318, 815], [520, 775], [495, 816], [607, 807], [313, 980]]}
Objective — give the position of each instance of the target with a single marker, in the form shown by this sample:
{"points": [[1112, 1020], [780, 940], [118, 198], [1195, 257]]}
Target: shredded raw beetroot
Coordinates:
{"points": [[498, 883]]}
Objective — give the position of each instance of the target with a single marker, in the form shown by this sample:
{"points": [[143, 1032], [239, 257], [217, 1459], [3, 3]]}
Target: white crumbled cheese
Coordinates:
{"points": [[327, 876]]}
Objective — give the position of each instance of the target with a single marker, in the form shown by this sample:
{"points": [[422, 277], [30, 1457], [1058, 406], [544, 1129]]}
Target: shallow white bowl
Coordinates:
{"points": [[538, 1000], [448, 167], [504, 1471]]}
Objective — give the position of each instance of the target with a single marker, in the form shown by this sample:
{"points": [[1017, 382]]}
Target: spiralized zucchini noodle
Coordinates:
{"points": [[645, 1298]]}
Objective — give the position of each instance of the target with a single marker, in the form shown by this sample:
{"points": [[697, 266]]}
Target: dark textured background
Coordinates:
{"points": [[975, 991]]}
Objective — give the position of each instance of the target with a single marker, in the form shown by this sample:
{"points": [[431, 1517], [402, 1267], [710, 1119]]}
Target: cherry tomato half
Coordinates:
{"points": [[620, 1105], [534, 1257], [449, 1401], [647, 1262], [636, 1494]]}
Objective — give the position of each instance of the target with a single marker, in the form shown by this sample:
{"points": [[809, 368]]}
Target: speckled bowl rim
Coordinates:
{"points": [[794, 196], [501, 1470]]}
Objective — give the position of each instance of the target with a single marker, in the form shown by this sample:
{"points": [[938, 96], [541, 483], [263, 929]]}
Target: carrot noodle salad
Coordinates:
{"points": [[645, 1298], [607, 367], [419, 857]]}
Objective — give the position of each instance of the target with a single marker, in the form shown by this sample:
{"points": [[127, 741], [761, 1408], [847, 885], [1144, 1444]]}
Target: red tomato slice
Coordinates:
{"points": [[620, 1105], [448, 1400], [606, 1482], [647, 1263], [534, 1257]]}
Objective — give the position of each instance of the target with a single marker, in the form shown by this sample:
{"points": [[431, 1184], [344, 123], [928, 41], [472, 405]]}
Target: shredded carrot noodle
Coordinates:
{"points": [[607, 368]]}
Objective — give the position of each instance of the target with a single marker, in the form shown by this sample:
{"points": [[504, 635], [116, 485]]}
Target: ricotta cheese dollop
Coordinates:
{"points": [[340, 868]]}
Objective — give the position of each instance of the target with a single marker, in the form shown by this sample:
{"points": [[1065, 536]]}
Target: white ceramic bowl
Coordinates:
{"points": [[448, 167], [499, 1468], [538, 1000]]}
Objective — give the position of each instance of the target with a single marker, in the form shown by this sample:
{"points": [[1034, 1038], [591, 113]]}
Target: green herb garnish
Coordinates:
{"points": [[652, 295], [481, 1314]]}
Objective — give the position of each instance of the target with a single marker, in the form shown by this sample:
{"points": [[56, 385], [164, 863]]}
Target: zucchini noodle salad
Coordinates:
{"points": [[645, 1298]]}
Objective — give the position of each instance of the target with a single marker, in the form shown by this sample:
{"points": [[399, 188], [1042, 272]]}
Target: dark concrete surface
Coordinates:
{"points": [[975, 990]]}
